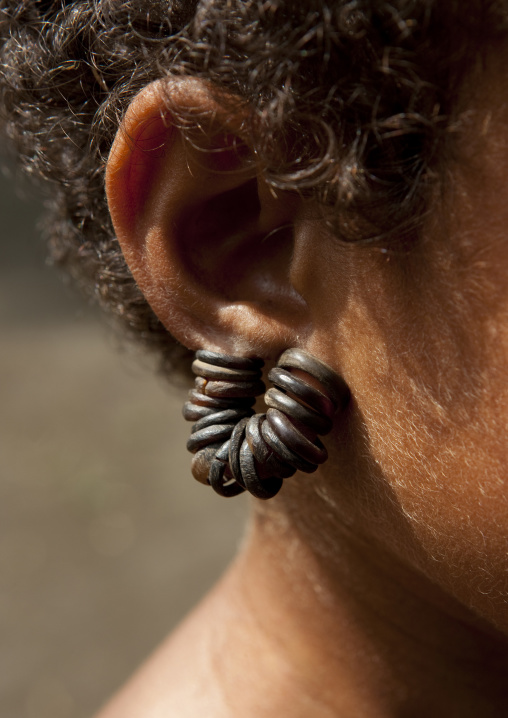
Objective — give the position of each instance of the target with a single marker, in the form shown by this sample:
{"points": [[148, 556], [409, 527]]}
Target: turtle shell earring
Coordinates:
{"points": [[237, 450]]}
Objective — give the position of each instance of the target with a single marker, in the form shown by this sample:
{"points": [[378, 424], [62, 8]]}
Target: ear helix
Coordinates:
{"points": [[236, 450]]}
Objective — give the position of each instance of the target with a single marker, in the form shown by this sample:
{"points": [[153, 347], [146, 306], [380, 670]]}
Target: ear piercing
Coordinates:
{"points": [[236, 450]]}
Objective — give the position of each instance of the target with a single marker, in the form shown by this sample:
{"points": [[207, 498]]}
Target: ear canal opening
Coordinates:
{"points": [[225, 218], [226, 248]]}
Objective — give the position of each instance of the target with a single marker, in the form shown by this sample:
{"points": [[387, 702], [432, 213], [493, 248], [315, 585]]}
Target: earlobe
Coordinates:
{"points": [[208, 242]]}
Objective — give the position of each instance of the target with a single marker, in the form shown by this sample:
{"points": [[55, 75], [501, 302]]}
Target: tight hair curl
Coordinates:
{"points": [[355, 100]]}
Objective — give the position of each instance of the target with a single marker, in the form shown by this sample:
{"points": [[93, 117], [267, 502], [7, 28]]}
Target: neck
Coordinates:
{"points": [[347, 635]]}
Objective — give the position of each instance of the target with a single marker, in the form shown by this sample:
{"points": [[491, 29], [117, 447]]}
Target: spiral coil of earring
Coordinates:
{"points": [[236, 450]]}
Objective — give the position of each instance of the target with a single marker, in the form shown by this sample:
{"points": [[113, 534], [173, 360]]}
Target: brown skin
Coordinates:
{"points": [[378, 586]]}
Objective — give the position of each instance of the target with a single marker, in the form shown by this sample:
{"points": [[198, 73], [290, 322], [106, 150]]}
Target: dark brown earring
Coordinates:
{"points": [[236, 450]]}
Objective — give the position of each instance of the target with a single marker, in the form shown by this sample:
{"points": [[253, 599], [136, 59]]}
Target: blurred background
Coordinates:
{"points": [[106, 541]]}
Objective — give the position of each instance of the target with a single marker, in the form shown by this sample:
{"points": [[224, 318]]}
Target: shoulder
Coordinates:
{"points": [[175, 682]]}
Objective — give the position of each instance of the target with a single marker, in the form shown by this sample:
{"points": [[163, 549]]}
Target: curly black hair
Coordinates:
{"points": [[356, 99]]}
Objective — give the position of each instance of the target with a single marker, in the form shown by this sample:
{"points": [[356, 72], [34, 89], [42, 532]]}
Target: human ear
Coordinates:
{"points": [[209, 243]]}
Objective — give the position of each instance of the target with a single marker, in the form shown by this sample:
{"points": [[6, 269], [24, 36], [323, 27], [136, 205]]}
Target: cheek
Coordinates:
{"points": [[449, 484], [430, 458], [420, 468]]}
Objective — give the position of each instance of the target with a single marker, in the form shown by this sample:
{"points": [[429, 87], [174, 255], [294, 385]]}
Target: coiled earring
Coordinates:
{"points": [[236, 450]]}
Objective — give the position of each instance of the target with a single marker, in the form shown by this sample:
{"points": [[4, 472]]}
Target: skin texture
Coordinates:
{"points": [[377, 586]]}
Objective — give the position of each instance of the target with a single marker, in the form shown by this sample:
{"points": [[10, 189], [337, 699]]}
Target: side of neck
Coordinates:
{"points": [[352, 638]]}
